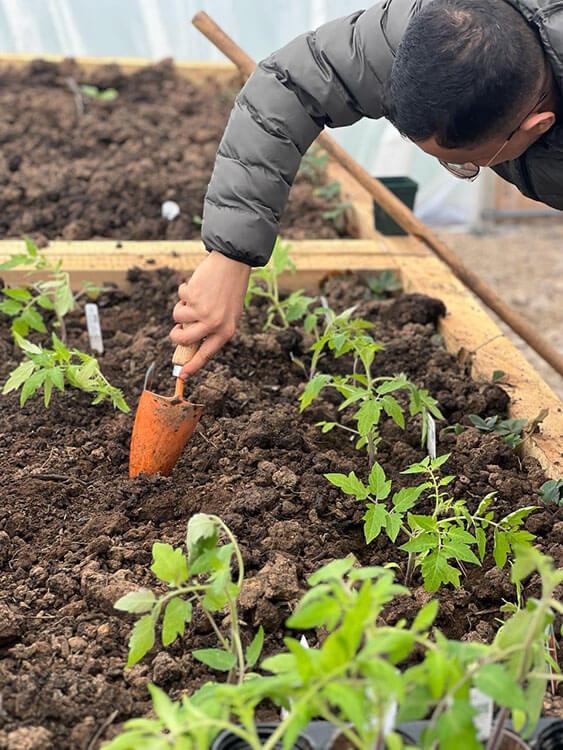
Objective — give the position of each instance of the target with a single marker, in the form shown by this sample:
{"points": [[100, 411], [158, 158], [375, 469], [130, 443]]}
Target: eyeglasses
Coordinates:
{"points": [[470, 171]]}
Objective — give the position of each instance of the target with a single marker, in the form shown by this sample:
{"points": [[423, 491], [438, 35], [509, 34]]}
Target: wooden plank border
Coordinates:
{"points": [[467, 326]]}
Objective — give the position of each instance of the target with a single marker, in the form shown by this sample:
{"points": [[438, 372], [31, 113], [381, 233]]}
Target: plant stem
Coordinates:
{"points": [[411, 564]]}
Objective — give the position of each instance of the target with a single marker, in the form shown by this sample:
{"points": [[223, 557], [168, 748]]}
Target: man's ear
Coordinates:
{"points": [[538, 123]]}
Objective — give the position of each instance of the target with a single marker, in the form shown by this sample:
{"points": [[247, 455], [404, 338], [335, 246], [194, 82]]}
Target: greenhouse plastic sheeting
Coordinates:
{"points": [[161, 28]]}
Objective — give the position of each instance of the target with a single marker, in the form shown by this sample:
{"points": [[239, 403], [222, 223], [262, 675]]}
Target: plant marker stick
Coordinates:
{"points": [[94, 328], [431, 436]]}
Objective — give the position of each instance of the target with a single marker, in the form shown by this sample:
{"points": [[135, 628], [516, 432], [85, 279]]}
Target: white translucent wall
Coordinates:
{"points": [[161, 28]]}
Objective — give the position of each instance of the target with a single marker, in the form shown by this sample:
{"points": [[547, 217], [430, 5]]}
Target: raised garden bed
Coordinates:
{"points": [[76, 167], [76, 533]]}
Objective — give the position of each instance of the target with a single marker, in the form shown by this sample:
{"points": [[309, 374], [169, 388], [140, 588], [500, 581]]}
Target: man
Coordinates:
{"points": [[474, 83]]}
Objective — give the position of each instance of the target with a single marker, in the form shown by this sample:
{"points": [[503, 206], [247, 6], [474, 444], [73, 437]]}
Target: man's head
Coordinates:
{"points": [[470, 79]]}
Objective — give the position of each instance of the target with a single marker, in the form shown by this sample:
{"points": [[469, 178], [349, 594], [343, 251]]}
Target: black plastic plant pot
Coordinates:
{"points": [[551, 738], [228, 741], [405, 189], [340, 742]]}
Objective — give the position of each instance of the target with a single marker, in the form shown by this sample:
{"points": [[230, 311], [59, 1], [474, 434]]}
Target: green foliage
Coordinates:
{"points": [[102, 95], [384, 284], [47, 368], [552, 491], [363, 676], [202, 576], [337, 214], [328, 192], [365, 398], [440, 542], [313, 165], [510, 430], [264, 282]]}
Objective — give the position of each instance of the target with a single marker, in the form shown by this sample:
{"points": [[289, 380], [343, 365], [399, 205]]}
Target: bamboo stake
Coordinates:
{"points": [[395, 208]]}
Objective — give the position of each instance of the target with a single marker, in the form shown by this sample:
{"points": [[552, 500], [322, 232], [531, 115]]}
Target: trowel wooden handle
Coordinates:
{"points": [[184, 354]]}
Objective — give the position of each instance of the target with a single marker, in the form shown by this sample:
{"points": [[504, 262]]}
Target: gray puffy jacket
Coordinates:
{"points": [[333, 77]]}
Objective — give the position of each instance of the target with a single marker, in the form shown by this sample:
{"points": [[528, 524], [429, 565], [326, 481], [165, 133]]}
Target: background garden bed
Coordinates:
{"points": [[75, 532], [76, 168]]}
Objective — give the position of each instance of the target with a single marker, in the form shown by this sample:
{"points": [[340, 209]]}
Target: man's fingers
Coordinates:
{"points": [[184, 313], [189, 334], [183, 291], [205, 352]]}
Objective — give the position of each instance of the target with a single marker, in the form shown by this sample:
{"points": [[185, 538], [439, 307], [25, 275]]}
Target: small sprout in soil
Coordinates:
{"points": [[365, 676], [56, 367], [552, 491], [102, 95], [364, 398], [313, 165], [510, 430], [329, 192], [384, 284], [337, 214], [439, 542], [264, 283], [201, 577], [46, 367]]}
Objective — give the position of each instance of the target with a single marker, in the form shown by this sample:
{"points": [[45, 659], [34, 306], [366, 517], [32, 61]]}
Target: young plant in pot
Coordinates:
{"points": [[366, 677]]}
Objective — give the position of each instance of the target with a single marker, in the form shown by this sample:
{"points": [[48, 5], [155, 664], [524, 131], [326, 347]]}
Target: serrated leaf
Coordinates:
{"points": [[136, 602], [255, 649], [374, 520], [378, 483], [481, 538], [31, 385], [222, 661], [393, 409], [166, 710], [141, 640], [367, 416], [34, 320], [332, 571], [26, 345], [501, 548], [169, 564], [10, 307], [393, 524], [407, 497], [436, 571], [177, 613], [18, 376], [350, 484]]}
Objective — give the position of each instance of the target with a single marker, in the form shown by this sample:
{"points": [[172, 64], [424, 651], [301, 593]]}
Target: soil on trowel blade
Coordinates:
{"points": [[76, 168], [76, 533]]}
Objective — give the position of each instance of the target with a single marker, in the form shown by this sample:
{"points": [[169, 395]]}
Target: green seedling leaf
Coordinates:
{"points": [[378, 483], [136, 602], [436, 571], [426, 616], [169, 564], [367, 416], [10, 307], [141, 640], [201, 535], [501, 547], [495, 681], [313, 389], [34, 320], [552, 491], [167, 711], [19, 376], [392, 408], [255, 649], [32, 385], [350, 484], [177, 613], [375, 519], [222, 661], [332, 571]]}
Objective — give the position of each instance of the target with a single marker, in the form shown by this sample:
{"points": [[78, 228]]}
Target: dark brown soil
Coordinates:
{"points": [[75, 532], [107, 172]]}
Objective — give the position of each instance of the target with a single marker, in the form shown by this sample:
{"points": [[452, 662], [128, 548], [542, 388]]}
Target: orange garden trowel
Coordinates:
{"points": [[163, 424]]}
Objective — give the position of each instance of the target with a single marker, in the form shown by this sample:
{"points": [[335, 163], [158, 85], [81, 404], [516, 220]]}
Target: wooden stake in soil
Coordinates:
{"points": [[397, 210]]}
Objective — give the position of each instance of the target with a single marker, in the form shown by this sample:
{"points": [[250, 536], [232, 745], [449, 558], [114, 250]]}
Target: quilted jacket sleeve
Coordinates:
{"points": [[323, 78]]}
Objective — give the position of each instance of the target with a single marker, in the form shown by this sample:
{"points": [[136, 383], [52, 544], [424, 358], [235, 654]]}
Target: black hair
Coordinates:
{"points": [[462, 70]]}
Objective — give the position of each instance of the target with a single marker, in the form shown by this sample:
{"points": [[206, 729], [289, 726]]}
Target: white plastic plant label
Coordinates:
{"points": [[483, 720], [94, 327], [170, 210], [431, 436]]}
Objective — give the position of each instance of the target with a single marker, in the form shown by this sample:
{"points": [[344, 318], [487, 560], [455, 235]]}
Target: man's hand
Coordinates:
{"points": [[210, 306]]}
